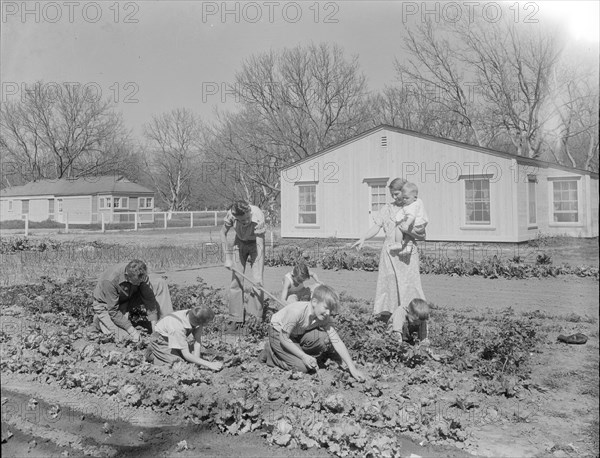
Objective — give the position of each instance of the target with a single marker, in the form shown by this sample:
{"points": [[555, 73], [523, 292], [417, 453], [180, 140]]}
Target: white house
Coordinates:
{"points": [[470, 193], [81, 201]]}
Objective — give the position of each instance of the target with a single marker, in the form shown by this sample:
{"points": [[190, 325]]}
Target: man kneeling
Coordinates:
{"points": [[169, 344], [302, 330], [122, 287]]}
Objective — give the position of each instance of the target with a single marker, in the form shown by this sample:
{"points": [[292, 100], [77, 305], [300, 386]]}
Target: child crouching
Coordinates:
{"points": [[302, 331], [415, 326], [169, 344]]}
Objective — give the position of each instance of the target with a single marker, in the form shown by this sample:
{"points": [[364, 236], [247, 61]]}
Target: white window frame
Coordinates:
{"points": [[102, 203], [145, 200], [121, 203], [299, 184], [551, 221], [59, 205], [532, 183], [10, 205], [470, 225], [372, 183]]}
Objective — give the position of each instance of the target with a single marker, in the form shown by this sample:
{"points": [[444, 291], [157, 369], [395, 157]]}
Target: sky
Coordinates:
{"points": [[150, 57]]}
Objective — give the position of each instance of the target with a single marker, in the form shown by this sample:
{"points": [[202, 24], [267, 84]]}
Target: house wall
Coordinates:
{"points": [[587, 197], [15, 213], [343, 198], [38, 209], [78, 208]]}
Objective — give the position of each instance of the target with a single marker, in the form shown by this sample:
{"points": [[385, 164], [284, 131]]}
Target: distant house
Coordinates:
{"points": [[81, 201], [471, 193]]}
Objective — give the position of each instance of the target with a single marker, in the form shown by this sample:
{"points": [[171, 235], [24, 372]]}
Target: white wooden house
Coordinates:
{"points": [[81, 201], [471, 194]]}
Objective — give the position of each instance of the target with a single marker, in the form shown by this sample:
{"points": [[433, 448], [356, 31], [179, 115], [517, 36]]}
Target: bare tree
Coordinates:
{"points": [[61, 131], [492, 78], [173, 157], [294, 102], [408, 107], [513, 68], [306, 98], [435, 74], [573, 133]]}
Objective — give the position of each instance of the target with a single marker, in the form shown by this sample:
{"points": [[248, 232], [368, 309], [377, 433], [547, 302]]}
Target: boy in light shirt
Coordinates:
{"points": [[302, 331]]}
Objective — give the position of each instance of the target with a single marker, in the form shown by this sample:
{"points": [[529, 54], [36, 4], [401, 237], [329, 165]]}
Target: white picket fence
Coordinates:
{"points": [[145, 220]]}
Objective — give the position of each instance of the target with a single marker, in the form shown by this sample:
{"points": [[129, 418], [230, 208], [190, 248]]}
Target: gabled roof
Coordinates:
{"points": [[412, 133], [77, 187]]}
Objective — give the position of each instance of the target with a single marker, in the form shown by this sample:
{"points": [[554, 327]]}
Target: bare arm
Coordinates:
{"points": [[192, 358], [314, 277], [224, 246], [286, 288], [340, 348], [372, 232]]}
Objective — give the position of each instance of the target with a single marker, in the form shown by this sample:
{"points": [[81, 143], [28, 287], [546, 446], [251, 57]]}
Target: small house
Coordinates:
{"points": [[78, 201]]}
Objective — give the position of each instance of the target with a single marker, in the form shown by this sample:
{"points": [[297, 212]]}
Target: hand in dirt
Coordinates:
{"points": [[358, 375], [310, 362], [215, 366]]}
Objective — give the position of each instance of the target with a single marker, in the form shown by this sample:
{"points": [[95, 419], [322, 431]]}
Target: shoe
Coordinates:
{"points": [[577, 339]]}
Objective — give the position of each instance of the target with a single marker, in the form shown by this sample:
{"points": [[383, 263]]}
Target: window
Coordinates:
{"points": [[307, 204], [565, 205], [531, 199], [378, 196], [59, 203], [101, 202], [145, 202], [120, 202], [477, 200], [10, 205]]}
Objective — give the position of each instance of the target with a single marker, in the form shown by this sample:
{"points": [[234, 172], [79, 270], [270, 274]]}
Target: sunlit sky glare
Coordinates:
{"points": [[153, 56], [580, 18]]}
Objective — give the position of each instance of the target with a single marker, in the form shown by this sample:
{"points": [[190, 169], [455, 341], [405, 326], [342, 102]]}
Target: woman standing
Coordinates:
{"points": [[399, 280]]}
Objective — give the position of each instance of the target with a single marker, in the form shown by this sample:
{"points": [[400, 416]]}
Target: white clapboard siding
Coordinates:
{"points": [[342, 175], [79, 210]]}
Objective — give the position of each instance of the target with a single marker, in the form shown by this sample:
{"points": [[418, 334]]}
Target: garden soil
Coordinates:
{"points": [[558, 419]]}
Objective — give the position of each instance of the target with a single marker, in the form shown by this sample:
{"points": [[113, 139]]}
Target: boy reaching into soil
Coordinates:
{"points": [[169, 342], [302, 331], [293, 284]]}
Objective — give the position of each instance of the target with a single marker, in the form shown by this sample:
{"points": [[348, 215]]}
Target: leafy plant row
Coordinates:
{"points": [[491, 267]]}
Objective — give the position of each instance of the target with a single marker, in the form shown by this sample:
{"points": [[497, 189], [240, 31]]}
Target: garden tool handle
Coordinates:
{"points": [[237, 272]]}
